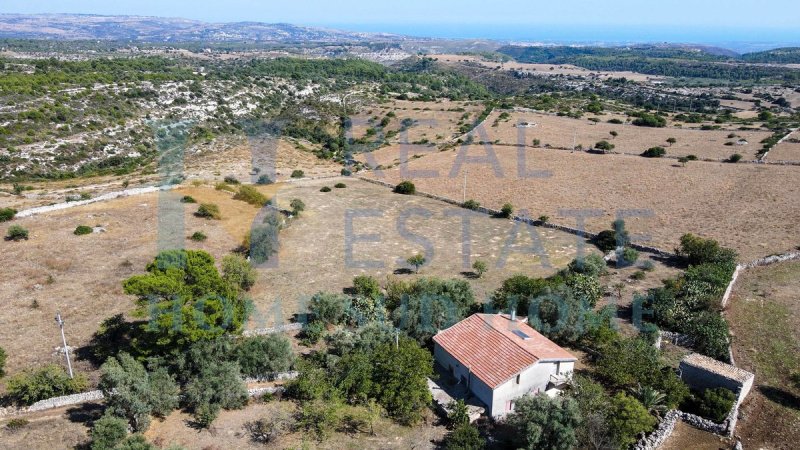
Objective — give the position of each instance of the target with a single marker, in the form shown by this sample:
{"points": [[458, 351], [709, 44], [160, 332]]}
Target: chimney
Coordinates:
{"points": [[513, 313]]}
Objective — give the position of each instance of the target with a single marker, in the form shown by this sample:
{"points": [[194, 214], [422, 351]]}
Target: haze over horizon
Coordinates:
{"points": [[739, 25]]}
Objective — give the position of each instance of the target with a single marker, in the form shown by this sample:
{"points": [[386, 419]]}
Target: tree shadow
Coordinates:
{"points": [[403, 271], [781, 397], [85, 413], [469, 275], [115, 335]]}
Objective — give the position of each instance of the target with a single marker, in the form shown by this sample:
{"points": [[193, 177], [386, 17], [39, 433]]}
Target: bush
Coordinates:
{"points": [[606, 240], [230, 180], [208, 211], [312, 332], [696, 250], [198, 236], [464, 437], [249, 194], [3, 357], [108, 431], [540, 422], [263, 179], [471, 204], [654, 152], [629, 255], [628, 419], [264, 355], [639, 275], [328, 308], [217, 386], [593, 265], [366, 286], [224, 187], [346, 172], [82, 230], [480, 267], [17, 424], [604, 145], [325, 189], [650, 120], [647, 266], [7, 214], [507, 210], [16, 233], [649, 332], [188, 199], [49, 381], [297, 206], [405, 188], [297, 173], [734, 158], [544, 219], [340, 185], [417, 261], [238, 271]]}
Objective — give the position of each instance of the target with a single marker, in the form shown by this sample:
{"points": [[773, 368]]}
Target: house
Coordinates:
{"points": [[500, 358]]}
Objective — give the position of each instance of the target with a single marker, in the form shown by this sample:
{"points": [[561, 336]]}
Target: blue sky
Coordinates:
{"points": [[685, 20]]}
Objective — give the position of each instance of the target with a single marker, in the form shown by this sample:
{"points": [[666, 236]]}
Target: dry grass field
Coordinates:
{"points": [[788, 150], [81, 276], [765, 322], [685, 436], [749, 207], [313, 247], [545, 69], [564, 132]]}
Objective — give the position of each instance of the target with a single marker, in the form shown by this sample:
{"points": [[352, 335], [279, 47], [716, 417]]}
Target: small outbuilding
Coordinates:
{"points": [[499, 358]]}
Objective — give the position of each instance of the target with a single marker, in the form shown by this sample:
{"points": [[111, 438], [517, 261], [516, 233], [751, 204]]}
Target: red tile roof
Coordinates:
{"points": [[489, 347]]}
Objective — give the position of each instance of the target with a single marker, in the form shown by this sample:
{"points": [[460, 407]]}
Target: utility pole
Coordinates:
{"points": [[60, 323]]}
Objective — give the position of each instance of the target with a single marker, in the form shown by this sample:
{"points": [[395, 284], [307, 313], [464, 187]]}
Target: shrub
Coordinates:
{"points": [[628, 419], [198, 236], [82, 230], [480, 267], [471, 204], [593, 265], [629, 255], [249, 194], [263, 179], [297, 173], [230, 180], [2, 362], [639, 275], [325, 189], [734, 158], [406, 188], [238, 271], [647, 266], [691, 157], [217, 386], [16, 233], [328, 308], [507, 210], [604, 145], [606, 240], [417, 261], [544, 219], [654, 152], [312, 332], [542, 422], [464, 437], [7, 214], [649, 332], [263, 355], [650, 120], [188, 199], [208, 211], [108, 431], [297, 206], [49, 381], [340, 185], [262, 242], [17, 424], [224, 187], [346, 172], [366, 286]]}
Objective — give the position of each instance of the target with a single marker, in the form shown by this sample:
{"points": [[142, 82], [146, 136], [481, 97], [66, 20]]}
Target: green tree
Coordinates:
{"points": [[628, 419], [544, 423], [417, 261], [464, 437], [651, 399], [263, 355], [108, 431], [458, 414], [366, 286], [134, 394], [187, 300], [406, 188], [328, 308], [604, 145], [671, 141], [216, 386], [238, 271], [401, 372], [683, 160], [507, 210], [480, 267]]}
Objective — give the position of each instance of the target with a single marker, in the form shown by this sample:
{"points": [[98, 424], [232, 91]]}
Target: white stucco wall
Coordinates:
{"points": [[532, 379]]}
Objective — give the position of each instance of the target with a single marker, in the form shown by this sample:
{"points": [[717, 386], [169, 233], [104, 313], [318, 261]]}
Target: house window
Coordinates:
{"points": [[510, 405], [518, 377]]}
